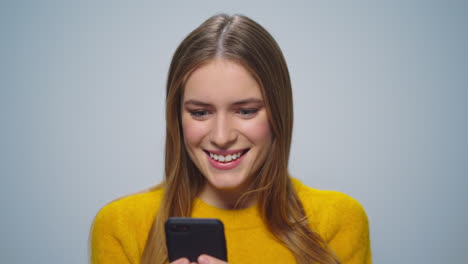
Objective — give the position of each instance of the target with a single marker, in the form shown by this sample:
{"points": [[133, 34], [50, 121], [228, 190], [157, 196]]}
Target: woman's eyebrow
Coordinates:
{"points": [[196, 102], [240, 102], [249, 101]]}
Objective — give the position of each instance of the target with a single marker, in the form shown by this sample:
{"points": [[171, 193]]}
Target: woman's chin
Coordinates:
{"points": [[226, 183]]}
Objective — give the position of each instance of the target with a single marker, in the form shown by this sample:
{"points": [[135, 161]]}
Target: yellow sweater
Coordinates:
{"points": [[121, 227]]}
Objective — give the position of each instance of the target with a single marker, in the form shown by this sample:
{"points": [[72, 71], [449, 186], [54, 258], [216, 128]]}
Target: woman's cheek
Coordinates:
{"points": [[257, 130], [193, 131]]}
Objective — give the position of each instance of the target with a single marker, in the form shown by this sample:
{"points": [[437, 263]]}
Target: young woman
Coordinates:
{"points": [[229, 116]]}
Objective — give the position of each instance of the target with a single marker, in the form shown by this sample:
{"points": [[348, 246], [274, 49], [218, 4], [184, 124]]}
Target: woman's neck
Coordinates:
{"points": [[226, 198]]}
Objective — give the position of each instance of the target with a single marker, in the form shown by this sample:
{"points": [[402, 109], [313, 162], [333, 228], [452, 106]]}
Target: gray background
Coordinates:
{"points": [[380, 113]]}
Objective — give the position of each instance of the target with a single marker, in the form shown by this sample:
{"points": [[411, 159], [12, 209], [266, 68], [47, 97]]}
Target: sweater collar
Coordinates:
{"points": [[232, 218], [236, 218]]}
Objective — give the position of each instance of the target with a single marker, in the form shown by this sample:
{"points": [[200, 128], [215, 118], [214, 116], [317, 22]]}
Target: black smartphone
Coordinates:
{"points": [[191, 237]]}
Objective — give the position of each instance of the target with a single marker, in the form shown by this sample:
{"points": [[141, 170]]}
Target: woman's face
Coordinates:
{"points": [[225, 124]]}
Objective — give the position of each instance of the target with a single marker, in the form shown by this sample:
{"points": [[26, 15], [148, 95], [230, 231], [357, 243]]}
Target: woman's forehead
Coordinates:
{"points": [[221, 80]]}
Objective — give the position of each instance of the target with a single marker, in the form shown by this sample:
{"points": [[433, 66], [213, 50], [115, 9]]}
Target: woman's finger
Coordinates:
{"points": [[181, 261], [205, 259]]}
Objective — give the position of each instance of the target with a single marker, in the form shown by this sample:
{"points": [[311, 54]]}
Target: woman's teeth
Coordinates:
{"points": [[226, 158]]}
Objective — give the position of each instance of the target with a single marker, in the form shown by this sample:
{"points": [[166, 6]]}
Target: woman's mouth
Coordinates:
{"points": [[225, 160]]}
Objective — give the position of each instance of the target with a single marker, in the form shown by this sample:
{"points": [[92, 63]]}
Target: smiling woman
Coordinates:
{"points": [[229, 115]]}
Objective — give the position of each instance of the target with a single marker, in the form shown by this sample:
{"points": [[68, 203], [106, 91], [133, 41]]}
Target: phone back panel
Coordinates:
{"points": [[191, 237]]}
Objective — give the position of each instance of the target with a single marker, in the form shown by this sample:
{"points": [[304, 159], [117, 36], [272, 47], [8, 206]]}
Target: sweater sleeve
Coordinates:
{"points": [[105, 245], [348, 232]]}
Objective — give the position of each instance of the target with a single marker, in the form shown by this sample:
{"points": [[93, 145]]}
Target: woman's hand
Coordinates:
{"points": [[205, 259], [202, 259], [181, 261]]}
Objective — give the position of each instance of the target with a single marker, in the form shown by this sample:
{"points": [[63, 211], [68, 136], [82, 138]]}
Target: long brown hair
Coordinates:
{"points": [[241, 40]]}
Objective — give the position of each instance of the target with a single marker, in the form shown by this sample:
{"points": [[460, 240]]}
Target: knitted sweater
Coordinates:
{"points": [[121, 228]]}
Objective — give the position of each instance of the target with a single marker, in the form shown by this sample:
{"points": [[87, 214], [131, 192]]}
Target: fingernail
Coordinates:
{"points": [[203, 260], [182, 261]]}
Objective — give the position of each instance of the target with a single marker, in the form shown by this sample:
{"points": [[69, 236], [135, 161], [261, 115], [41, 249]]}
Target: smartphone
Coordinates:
{"points": [[191, 237]]}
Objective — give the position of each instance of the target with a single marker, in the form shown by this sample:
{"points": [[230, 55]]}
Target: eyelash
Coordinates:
{"points": [[199, 114], [251, 112], [245, 113]]}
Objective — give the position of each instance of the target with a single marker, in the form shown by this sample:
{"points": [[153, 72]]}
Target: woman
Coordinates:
{"points": [[229, 125]]}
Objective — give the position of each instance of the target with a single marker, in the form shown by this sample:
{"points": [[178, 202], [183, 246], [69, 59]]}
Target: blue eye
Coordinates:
{"points": [[248, 112], [199, 114]]}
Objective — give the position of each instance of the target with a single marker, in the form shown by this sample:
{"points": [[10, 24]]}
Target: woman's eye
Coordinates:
{"points": [[248, 112], [199, 113]]}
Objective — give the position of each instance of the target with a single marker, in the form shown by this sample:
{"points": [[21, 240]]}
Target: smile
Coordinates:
{"points": [[225, 160], [228, 157]]}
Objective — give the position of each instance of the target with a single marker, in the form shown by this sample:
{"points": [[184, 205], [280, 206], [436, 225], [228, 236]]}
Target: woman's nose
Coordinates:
{"points": [[223, 133]]}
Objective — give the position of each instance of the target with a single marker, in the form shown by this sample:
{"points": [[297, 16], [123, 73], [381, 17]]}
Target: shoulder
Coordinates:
{"points": [[120, 228], [132, 208], [330, 212], [319, 200]]}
